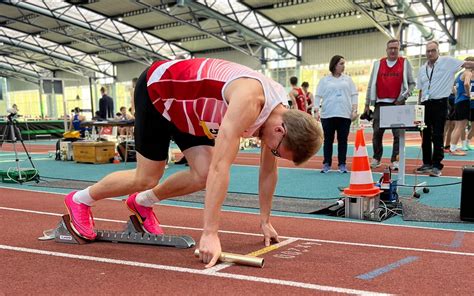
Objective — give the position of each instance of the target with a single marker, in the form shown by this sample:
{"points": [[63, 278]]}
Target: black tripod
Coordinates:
{"points": [[11, 134]]}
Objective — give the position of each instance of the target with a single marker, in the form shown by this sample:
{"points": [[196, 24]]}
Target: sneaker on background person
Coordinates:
{"points": [[457, 152], [80, 216], [375, 163], [435, 172], [465, 145], [144, 214], [425, 168], [342, 169], [395, 165], [325, 168]]}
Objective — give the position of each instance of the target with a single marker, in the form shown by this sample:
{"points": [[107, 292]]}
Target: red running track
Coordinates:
{"points": [[315, 257]]}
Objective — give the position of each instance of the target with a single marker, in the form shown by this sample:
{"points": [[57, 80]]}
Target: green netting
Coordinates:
{"points": [[12, 175]]}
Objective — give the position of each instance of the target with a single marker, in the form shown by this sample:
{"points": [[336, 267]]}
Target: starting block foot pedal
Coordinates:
{"points": [[65, 234], [133, 225], [134, 234]]}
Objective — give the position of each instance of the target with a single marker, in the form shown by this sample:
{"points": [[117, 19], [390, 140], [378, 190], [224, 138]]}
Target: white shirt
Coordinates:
{"points": [[442, 78], [338, 94]]}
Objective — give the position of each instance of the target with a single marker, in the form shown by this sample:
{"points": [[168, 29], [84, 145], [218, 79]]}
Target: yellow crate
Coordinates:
{"points": [[93, 152]]}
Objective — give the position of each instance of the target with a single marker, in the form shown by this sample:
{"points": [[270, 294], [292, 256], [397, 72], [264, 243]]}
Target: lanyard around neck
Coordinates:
{"points": [[429, 76]]}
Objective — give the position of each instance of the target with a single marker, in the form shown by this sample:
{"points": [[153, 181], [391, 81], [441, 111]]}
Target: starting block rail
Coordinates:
{"points": [[182, 242], [133, 234]]}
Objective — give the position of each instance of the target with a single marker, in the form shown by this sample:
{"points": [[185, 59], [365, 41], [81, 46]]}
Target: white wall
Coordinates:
{"points": [[127, 71], [72, 79], [465, 34], [20, 85], [233, 56], [356, 47]]}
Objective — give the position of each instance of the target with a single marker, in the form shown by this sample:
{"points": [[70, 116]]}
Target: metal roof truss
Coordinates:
{"points": [[54, 50], [250, 31], [103, 26]]}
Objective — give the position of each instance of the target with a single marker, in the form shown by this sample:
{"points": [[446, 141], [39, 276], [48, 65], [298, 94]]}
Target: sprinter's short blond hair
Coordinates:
{"points": [[304, 135]]}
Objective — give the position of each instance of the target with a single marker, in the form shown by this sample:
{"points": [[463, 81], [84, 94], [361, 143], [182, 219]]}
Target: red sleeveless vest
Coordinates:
{"points": [[389, 80]]}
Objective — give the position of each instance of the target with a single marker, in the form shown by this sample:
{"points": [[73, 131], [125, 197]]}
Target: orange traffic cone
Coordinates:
{"points": [[361, 183], [116, 158]]}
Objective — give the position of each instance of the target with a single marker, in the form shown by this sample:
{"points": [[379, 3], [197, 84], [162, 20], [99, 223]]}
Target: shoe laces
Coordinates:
{"points": [[86, 217]]}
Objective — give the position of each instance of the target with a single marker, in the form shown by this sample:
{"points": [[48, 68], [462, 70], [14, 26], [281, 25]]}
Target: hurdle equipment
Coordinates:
{"points": [[133, 234], [238, 259]]}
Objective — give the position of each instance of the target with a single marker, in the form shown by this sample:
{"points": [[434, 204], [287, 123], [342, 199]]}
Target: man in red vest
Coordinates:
{"points": [[297, 96], [391, 83]]}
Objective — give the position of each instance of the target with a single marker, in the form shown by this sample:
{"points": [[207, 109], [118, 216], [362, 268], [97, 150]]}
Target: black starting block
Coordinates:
{"points": [[133, 234]]}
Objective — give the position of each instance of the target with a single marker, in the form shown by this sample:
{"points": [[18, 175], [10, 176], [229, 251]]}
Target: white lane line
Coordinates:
{"points": [[193, 271], [23, 160], [377, 224], [284, 237], [265, 250]]}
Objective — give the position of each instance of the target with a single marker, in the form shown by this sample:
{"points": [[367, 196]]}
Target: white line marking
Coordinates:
{"points": [[192, 271], [273, 214], [24, 160], [224, 265], [284, 237]]}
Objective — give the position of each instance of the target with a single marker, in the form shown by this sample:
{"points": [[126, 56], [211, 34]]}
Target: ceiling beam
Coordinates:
{"points": [[366, 8], [12, 74], [436, 18], [23, 68], [244, 40], [65, 32], [35, 44], [100, 25]]}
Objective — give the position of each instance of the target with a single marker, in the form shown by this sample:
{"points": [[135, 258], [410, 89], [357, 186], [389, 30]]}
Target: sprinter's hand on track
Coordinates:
{"points": [[269, 234], [209, 249]]}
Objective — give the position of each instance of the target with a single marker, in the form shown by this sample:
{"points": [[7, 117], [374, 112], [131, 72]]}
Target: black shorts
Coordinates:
{"points": [[462, 110], [153, 132], [450, 110], [472, 114]]}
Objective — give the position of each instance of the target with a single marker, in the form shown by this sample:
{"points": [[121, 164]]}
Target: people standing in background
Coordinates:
{"points": [[106, 105], [15, 107], [435, 80], [132, 96], [449, 125], [297, 95], [339, 98], [390, 84], [470, 135], [123, 115], [462, 109], [76, 120], [309, 97]]}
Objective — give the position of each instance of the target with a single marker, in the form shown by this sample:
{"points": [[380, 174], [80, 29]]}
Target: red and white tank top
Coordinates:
{"points": [[300, 98], [190, 93]]}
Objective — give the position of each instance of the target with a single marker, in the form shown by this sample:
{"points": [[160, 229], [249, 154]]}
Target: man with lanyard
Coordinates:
{"points": [[391, 82], [435, 80], [297, 95]]}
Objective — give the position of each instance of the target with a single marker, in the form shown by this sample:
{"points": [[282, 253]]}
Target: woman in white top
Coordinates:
{"points": [[337, 96]]}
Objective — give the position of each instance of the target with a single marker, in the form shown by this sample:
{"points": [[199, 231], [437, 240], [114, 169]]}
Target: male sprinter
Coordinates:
{"points": [[191, 101]]}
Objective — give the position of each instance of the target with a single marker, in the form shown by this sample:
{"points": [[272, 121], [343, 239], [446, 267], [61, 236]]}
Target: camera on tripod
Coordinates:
{"points": [[11, 134], [13, 113]]}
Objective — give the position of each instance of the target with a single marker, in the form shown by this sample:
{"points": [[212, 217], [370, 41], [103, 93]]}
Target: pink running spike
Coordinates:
{"points": [[145, 215], [82, 221]]}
